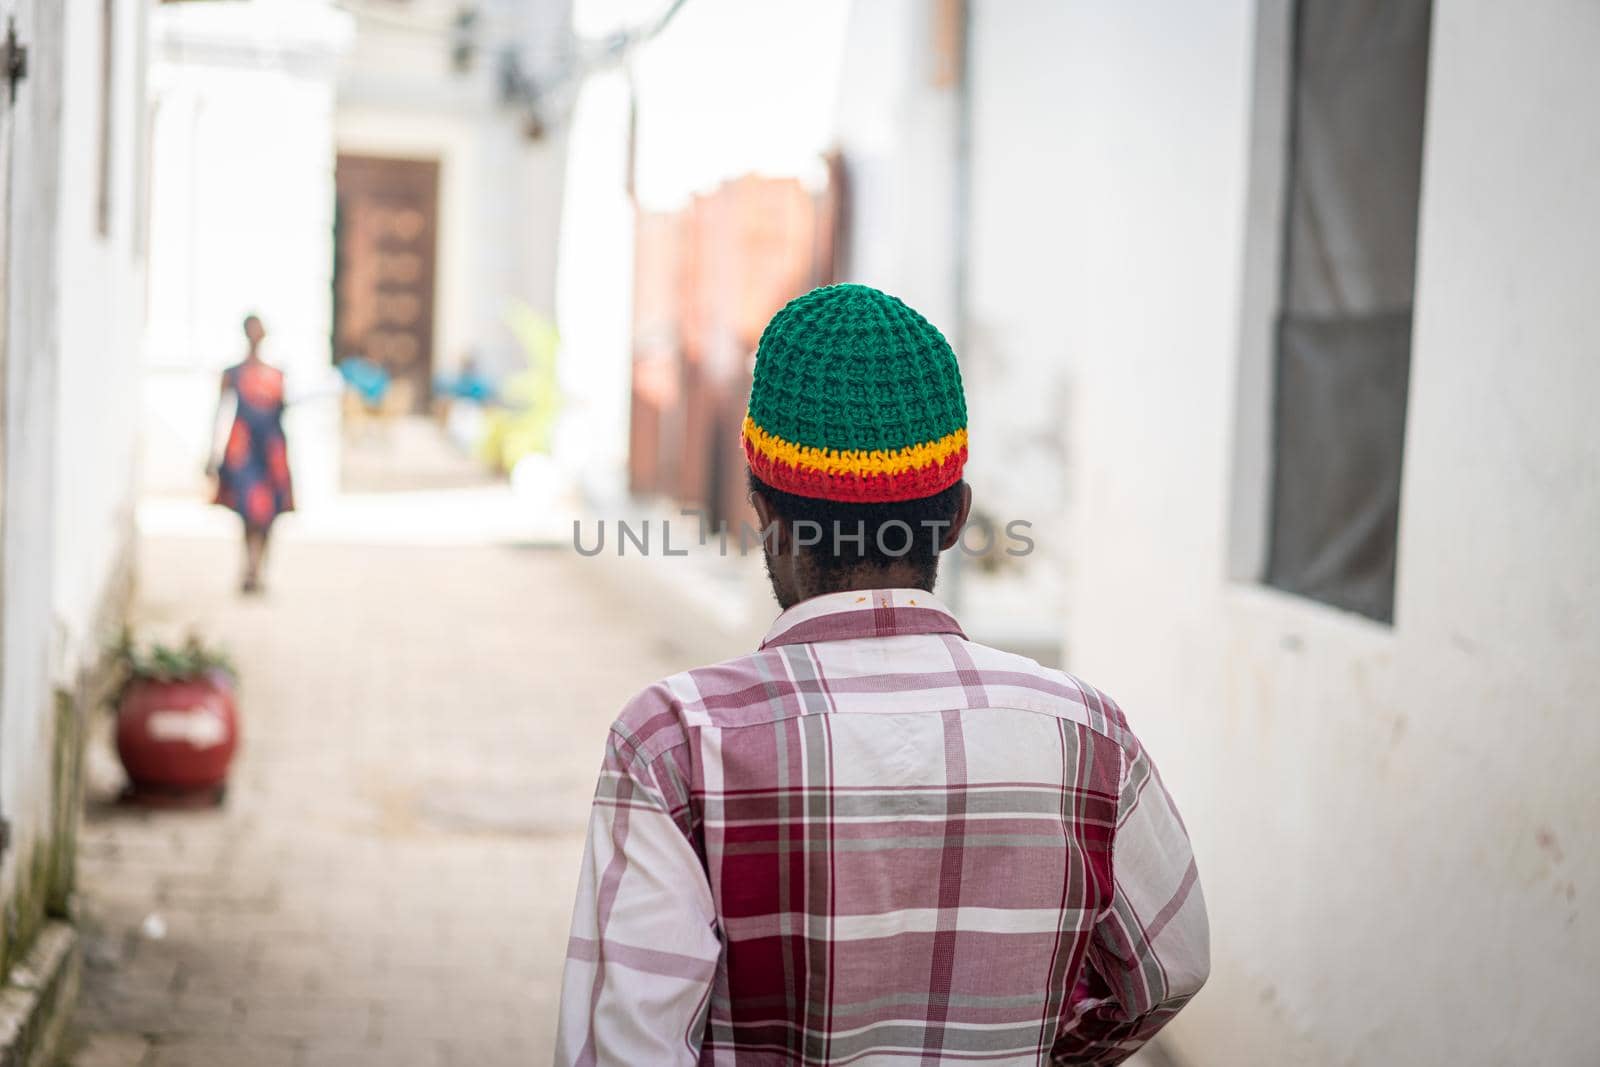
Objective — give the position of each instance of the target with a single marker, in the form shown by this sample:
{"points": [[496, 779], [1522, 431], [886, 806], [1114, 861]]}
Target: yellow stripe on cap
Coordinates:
{"points": [[845, 461]]}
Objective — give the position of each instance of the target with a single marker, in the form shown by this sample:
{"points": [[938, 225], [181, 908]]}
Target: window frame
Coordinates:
{"points": [[1263, 287]]}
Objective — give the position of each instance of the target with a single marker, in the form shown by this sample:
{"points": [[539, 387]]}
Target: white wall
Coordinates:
{"points": [[1394, 825], [72, 324], [594, 296], [31, 346], [897, 132], [1498, 599], [241, 221], [1025, 235], [99, 353]]}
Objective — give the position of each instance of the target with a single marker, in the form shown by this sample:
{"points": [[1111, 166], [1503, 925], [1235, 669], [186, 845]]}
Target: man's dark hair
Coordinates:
{"points": [[851, 537]]}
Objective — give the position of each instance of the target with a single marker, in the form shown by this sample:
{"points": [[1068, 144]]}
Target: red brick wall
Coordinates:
{"points": [[707, 279]]}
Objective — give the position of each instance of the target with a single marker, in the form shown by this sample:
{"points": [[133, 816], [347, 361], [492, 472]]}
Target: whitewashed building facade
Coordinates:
{"points": [[72, 142], [1393, 812]]}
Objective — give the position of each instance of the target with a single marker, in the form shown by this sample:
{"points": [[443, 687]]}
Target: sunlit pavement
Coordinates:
{"points": [[390, 879]]}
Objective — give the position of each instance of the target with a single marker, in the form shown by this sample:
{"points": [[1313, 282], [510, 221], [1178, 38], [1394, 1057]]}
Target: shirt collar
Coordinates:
{"points": [[862, 613]]}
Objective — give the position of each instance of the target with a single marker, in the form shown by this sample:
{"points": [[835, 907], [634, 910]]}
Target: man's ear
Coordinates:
{"points": [[769, 520], [953, 535]]}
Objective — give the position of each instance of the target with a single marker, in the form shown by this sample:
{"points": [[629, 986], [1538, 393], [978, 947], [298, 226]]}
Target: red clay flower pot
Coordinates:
{"points": [[176, 739]]}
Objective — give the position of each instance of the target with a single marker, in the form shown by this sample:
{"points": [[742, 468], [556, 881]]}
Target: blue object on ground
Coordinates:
{"points": [[365, 377], [468, 385]]}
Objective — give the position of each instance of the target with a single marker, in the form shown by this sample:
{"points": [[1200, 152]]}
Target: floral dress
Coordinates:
{"points": [[254, 476]]}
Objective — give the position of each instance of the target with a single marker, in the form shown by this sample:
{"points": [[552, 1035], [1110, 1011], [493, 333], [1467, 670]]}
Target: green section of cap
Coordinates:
{"points": [[850, 367]]}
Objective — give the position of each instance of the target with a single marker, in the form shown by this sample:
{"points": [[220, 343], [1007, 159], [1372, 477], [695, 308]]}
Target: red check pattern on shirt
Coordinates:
{"points": [[874, 841]]}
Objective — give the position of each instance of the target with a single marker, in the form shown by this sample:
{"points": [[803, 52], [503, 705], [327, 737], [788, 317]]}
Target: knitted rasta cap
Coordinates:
{"points": [[856, 398]]}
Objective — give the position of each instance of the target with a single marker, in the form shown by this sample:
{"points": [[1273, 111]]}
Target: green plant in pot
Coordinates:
{"points": [[177, 725]]}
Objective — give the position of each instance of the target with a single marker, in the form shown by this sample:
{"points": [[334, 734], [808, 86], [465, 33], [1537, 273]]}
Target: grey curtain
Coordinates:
{"points": [[1344, 332]]}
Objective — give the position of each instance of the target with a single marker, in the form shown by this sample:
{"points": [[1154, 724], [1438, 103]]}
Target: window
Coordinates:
{"points": [[1358, 81]]}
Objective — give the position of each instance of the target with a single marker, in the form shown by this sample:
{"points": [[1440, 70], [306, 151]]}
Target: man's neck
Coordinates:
{"points": [[891, 577]]}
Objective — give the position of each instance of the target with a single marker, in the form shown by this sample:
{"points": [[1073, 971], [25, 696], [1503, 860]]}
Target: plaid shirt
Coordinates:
{"points": [[874, 841]]}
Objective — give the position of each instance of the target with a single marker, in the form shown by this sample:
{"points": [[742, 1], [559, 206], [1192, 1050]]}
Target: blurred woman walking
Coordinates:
{"points": [[253, 471]]}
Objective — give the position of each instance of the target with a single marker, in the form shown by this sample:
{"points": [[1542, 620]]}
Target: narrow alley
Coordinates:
{"points": [[390, 880], [1244, 353]]}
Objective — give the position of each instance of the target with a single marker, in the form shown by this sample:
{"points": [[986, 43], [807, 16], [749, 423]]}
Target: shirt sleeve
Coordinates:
{"points": [[644, 946], [1150, 951]]}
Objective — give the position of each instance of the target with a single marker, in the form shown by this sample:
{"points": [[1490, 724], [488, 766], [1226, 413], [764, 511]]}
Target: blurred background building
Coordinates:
{"points": [[1275, 319], [434, 120]]}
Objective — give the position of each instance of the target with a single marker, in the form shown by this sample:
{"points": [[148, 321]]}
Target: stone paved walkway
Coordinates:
{"points": [[391, 878]]}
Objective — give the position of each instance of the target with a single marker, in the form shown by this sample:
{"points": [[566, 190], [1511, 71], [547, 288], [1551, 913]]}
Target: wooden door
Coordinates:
{"points": [[387, 223]]}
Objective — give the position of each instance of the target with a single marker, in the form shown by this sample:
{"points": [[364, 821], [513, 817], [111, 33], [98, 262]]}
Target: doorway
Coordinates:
{"points": [[386, 236]]}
